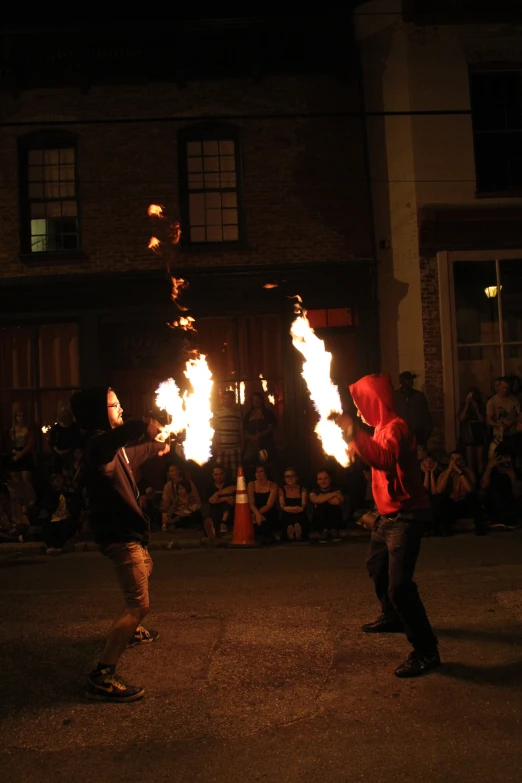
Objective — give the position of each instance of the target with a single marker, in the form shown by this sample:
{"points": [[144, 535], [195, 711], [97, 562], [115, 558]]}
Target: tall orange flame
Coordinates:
{"points": [[155, 210]]}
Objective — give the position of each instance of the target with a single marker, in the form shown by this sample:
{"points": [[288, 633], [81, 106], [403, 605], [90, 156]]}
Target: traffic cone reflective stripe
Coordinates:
{"points": [[243, 534]]}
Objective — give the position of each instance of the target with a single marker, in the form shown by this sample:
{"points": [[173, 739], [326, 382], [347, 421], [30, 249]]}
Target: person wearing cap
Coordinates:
{"points": [[114, 449], [412, 406]]}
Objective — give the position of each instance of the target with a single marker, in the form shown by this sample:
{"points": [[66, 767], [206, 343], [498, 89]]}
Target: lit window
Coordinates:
{"points": [[49, 206]]}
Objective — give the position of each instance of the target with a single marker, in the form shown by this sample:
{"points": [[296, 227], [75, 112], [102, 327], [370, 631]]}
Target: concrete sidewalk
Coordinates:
{"points": [[185, 539]]}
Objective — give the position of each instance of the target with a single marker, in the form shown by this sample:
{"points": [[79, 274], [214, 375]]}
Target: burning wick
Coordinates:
{"points": [[192, 412], [46, 428], [323, 393], [184, 323], [264, 383], [155, 210], [154, 243]]}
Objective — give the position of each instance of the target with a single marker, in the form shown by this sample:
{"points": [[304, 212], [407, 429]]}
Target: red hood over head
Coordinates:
{"points": [[373, 395]]}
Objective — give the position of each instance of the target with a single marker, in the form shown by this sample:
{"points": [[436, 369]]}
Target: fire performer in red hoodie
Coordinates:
{"points": [[403, 507]]}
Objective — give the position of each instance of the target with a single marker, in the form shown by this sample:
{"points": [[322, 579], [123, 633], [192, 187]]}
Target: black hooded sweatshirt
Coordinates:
{"points": [[110, 457]]}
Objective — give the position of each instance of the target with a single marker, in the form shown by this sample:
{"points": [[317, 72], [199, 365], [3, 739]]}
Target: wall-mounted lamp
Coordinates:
{"points": [[491, 291]]}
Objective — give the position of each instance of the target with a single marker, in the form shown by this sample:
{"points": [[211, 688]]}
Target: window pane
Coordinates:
{"points": [[228, 163], [53, 208], [36, 190], [230, 216], [212, 180], [69, 208], [52, 190], [38, 209], [194, 148], [197, 235], [210, 148], [228, 180], [214, 234], [211, 164], [213, 217], [511, 297], [66, 189], [476, 313], [229, 199], [35, 174], [51, 156], [213, 200], [227, 148], [195, 164], [67, 156], [195, 181], [52, 173], [35, 157], [230, 233], [478, 366], [197, 209], [513, 360]]}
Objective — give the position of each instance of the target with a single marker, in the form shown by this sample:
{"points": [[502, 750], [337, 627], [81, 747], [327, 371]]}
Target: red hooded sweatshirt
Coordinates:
{"points": [[391, 452]]}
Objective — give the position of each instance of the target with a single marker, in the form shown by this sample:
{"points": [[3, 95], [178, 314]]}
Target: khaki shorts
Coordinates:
{"points": [[133, 566]]}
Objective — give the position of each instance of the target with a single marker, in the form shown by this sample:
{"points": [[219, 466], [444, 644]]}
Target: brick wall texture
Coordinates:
{"points": [[305, 194]]}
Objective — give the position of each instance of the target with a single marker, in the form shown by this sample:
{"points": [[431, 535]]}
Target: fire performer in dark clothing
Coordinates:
{"points": [[113, 450], [403, 507]]}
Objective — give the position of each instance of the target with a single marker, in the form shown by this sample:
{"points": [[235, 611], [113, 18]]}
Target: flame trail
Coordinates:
{"points": [[155, 210], [154, 243], [198, 409], [323, 393]]}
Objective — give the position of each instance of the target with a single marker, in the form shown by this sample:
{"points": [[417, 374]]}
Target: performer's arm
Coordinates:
{"points": [[379, 457]]}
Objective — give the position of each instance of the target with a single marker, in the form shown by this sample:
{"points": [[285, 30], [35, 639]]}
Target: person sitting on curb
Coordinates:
{"points": [[220, 502], [327, 517], [457, 497]]}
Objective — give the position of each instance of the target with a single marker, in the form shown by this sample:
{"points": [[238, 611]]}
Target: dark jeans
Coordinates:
{"points": [[326, 517], [394, 548], [57, 534], [447, 511]]}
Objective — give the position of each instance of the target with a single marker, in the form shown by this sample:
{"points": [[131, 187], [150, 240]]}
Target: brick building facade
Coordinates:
{"points": [[261, 156]]}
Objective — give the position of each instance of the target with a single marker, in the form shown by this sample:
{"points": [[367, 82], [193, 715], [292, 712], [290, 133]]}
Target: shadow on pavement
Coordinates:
{"points": [[11, 561], [478, 635], [43, 671], [504, 675]]}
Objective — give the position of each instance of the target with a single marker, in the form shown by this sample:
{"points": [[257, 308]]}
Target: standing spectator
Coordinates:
{"points": [[327, 518], [502, 489], [472, 430], [412, 406], [457, 497], [64, 437], [228, 431], [262, 497], [293, 499], [220, 499], [502, 412], [22, 444], [258, 427]]}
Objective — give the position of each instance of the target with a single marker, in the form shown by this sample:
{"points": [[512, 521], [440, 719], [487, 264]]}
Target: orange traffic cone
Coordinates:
{"points": [[243, 528]]}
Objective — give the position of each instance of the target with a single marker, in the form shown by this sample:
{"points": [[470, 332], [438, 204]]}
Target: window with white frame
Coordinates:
{"points": [[487, 321], [210, 186]]}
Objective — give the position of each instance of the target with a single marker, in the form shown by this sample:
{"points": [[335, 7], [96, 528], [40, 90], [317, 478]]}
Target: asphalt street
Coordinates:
{"points": [[261, 672]]}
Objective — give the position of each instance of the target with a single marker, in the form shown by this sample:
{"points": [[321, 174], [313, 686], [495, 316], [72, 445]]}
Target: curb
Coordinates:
{"points": [[157, 543]]}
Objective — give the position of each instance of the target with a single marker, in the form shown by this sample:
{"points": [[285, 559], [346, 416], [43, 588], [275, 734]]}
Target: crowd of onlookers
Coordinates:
{"points": [[481, 480]]}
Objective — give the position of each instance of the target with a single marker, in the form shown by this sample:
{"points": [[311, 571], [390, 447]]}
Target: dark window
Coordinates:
{"points": [[496, 103], [210, 185], [48, 187]]}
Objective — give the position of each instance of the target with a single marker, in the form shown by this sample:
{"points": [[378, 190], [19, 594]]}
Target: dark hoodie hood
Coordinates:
{"points": [[373, 395], [90, 408]]}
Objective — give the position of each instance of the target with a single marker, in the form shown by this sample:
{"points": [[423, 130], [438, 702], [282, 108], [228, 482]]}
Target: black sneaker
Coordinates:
{"points": [[383, 625], [104, 686], [142, 636], [417, 664]]}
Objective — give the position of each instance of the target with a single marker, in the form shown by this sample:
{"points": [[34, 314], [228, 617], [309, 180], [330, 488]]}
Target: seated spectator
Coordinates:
{"points": [[327, 517], [186, 511], [430, 472], [457, 497], [150, 507], [22, 493], [59, 525], [502, 412], [502, 489], [220, 500], [262, 497], [169, 498], [11, 529], [293, 499]]}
